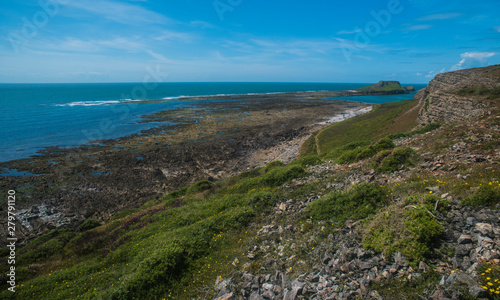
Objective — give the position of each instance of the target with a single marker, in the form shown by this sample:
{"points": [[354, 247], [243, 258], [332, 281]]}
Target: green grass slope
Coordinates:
{"points": [[167, 249], [384, 119]]}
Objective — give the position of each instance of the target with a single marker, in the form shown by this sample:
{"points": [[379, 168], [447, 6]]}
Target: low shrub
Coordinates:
{"points": [[45, 246], [360, 202], [280, 176], [486, 196], [271, 165], [309, 160], [336, 153], [362, 152], [411, 230], [397, 159], [124, 213], [199, 187], [89, 224]]}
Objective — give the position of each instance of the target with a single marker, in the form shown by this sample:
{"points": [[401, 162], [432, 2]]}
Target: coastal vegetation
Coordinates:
{"points": [[393, 181]]}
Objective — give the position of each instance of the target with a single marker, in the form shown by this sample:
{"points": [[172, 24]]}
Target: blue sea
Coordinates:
{"points": [[36, 116]]}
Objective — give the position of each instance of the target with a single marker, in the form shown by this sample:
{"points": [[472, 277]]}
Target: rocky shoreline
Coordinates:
{"points": [[213, 141]]}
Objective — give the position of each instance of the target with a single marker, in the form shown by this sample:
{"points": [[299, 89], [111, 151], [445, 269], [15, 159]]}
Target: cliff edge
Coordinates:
{"points": [[459, 95]]}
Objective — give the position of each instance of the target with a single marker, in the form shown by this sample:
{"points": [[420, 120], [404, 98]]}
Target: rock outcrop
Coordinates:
{"points": [[449, 97]]}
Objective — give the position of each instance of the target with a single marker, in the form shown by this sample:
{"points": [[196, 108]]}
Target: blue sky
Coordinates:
{"points": [[245, 40]]}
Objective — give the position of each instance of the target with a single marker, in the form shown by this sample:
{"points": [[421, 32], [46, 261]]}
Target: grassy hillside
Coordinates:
{"points": [[169, 248], [384, 119]]}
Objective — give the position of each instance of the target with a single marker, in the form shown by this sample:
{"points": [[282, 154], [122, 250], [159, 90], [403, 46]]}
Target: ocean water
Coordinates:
{"points": [[36, 116]]}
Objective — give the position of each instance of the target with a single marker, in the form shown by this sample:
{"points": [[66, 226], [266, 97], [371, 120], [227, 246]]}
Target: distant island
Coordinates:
{"points": [[385, 87]]}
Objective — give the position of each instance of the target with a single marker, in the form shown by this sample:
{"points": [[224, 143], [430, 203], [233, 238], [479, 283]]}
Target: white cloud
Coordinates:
{"points": [[71, 44], [202, 24], [444, 16], [349, 31], [473, 60], [167, 35], [433, 73], [418, 27], [120, 12], [419, 74]]}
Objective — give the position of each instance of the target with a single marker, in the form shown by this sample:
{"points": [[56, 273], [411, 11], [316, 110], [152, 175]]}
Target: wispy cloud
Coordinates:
{"points": [[201, 24], [120, 12], [349, 31], [497, 28], [74, 45], [167, 35], [473, 60], [433, 73], [418, 27], [444, 16], [297, 47]]}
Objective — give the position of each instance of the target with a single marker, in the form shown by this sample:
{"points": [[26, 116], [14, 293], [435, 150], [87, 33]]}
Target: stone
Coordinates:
{"points": [[290, 294], [345, 268], [399, 259], [269, 295], [298, 285], [484, 229], [478, 292], [460, 278], [422, 266], [228, 296], [465, 239], [462, 250], [471, 221], [247, 277], [285, 282], [255, 296]]}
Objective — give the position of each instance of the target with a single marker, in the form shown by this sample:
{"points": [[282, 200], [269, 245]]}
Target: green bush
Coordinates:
{"points": [[398, 158], [384, 144], [366, 153], [411, 231], [347, 155], [46, 245], [280, 176], [360, 202], [124, 213], [156, 272], [89, 224], [336, 153], [272, 165], [309, 160], [486, 196], [199, 187]]}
